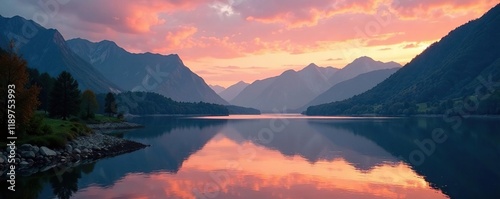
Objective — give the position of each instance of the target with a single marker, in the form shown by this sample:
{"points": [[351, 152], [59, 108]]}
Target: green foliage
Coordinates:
{"points": [[89, 104], [46, 83], [64, 97], [147, 103], [56, 133]]}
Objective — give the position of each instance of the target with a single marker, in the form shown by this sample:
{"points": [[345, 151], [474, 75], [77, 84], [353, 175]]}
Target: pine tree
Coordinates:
{"points": [[64, 97], [110, 104], [89, 104], [46, 84]]}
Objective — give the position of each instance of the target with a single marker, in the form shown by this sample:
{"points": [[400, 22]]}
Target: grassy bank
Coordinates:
{"points": [[56, 133]]}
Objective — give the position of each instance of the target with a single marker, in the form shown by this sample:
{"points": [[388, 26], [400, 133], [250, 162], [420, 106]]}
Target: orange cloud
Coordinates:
{"points": [[178, 39]]}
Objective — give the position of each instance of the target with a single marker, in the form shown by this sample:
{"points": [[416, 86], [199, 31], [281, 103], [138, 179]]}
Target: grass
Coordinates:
{"points": [[56, 133], [99, 118]]}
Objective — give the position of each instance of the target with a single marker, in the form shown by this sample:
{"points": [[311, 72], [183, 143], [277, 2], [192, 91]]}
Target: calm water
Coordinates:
{"points": [[290, 156]]}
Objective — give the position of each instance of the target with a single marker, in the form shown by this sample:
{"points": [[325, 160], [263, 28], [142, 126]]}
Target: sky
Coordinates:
{"points": [[225, 41]]}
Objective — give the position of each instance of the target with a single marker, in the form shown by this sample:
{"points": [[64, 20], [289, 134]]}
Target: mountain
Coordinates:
{"points": [[351, 87], [290, 90], [46, 50], [359, 66], [462, 68], [231, 92], [162, 74], [218, 89]]}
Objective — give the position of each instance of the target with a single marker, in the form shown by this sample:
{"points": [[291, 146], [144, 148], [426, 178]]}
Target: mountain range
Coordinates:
{"points": [[47, 51], [217, 88], [104, 66], [232, 91], [351, 87], [463, 66], [293, 89], [163, 74]]}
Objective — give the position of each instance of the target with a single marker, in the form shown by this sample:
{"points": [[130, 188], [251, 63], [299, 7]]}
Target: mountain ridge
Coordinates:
{"points": [[163, 74], [46, 50], [448, 70]]}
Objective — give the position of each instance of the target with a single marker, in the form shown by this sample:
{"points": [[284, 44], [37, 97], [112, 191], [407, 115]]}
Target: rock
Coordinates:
{"points": [[35, 149], [28, 154], [24, 164], [86, 151], [69, 148], [25, 147], [47, 152], [2, 160], [78, 151]]}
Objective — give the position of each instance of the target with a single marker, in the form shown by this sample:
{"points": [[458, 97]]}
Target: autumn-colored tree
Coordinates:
{"points": [[64, 97], [14, 74], [89, 104]]}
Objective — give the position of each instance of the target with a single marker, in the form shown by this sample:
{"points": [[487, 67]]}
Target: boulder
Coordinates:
{"points": [[78, 151], [25, 147], [69, 148], [47, 152], [24, 164], [28, 154], [35, 149], [2, 160]]}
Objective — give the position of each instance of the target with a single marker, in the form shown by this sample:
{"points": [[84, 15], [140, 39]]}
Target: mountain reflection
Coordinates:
{"points": [[196, 158], [297, 158]]}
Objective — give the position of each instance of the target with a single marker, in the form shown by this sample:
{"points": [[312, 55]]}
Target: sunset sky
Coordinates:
{"points": [[225, 41]]}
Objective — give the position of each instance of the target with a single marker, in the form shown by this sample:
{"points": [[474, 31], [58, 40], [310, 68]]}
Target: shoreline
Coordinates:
{"points": [[31, 159]]}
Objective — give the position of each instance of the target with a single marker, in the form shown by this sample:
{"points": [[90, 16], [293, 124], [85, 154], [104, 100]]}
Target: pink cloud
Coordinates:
{"points": [[298, 13], [439, 8]]}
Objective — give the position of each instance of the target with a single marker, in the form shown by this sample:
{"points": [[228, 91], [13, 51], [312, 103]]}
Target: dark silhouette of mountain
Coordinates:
{"points": [[351, 87], [217, 88], [163, 74], [464, 165], [359, 66], [290, 90], [466, 62], [148, 103], [238, 110], [46, 50], [231, 92], [293, 89]]}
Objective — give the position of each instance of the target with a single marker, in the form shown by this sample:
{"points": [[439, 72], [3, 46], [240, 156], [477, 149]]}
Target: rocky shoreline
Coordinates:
{"points": [[32, 159]]}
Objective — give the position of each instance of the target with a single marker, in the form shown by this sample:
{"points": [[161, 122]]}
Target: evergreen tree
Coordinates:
{"points": [[89, 104], [46, 84], [64, 97], [110, 104]]}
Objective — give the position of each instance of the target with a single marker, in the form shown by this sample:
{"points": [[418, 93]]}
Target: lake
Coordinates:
{"points": [[291, 156]]}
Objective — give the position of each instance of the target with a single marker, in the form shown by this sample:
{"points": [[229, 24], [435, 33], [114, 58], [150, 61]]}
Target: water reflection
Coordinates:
{"points": [[293, 158]]}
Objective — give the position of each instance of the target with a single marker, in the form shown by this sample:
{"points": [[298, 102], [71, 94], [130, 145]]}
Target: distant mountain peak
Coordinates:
{"points": [[241, 82]]}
